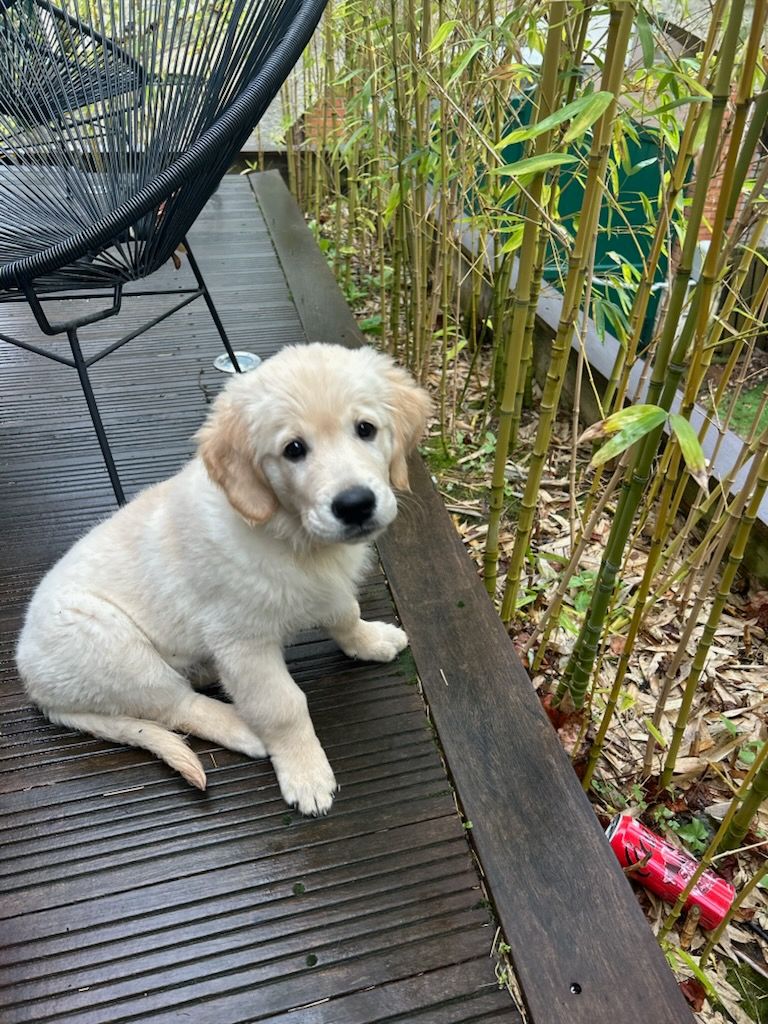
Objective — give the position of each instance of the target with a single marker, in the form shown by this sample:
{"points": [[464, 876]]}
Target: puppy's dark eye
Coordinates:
{"points": [[365, 430], [295, 450]]}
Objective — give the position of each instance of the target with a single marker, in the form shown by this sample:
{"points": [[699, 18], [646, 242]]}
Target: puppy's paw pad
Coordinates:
{"points": [[377, 641]]}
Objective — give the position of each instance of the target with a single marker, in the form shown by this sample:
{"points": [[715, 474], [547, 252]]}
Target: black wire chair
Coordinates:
{"points": [[118, 119]]}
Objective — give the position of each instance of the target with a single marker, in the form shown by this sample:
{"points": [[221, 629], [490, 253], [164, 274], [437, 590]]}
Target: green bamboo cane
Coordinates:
{"points": [[669, 470], [753, 800], [667, 370], [572, 71], [618, 38], [751, 140], [731, 185], [377, 169], [400, 254], [549, 619], [629, 641], [615, 394], [709, 853], [735, 559], [525, 372], [523, 285], [741, 896], [418, 256], [710, 505], [708, 582], [670, 464]]}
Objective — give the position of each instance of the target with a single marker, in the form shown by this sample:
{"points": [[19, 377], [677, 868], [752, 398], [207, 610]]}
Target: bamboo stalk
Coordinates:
{"points": [[733, 516], [695, 378], [745, 891], [617, 386], [523, 286], [735, 558], [549, 618], [618, 38], [629, 640], [572, 72], [753, 800], [668, 366], [709, 853]]}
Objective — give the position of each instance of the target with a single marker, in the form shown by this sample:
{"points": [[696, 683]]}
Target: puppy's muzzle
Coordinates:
{"points": [[354, 506]]}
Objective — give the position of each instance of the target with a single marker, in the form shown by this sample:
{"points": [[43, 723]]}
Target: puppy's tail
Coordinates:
{"points": [[137, 732]]}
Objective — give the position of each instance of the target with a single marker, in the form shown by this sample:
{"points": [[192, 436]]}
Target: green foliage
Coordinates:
{"points": [[693, 830], [748, 404]]}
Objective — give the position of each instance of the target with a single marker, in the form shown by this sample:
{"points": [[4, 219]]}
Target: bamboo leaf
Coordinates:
{"points": [[392, 203], [534, 164], [646, 39], [442, 34], [580, 109], [514, 238], [464, 59], [451, 353], [655, 733], [594, 108], [693, 965], [629, 425], [691, 449], [681, 102], [625, 419]]}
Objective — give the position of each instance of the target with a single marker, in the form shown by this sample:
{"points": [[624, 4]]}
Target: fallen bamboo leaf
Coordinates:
{"points": [[694, 992]]}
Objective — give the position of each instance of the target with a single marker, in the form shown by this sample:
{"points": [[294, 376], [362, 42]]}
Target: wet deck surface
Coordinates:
{"points": [[127, 896]]}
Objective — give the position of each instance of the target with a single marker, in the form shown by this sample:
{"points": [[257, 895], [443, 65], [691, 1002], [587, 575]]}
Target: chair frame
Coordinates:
{"points": [[225, 136]]}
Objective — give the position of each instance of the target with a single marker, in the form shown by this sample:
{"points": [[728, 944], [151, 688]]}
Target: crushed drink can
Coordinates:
{"points": [[666, 870]]}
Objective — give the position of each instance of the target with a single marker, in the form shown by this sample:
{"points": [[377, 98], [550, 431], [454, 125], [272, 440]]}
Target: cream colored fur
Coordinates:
{"points": [[210, 573]]}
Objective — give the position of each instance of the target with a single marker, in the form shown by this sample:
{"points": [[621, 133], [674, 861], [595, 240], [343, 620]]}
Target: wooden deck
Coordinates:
{"points": [[127, 896]]}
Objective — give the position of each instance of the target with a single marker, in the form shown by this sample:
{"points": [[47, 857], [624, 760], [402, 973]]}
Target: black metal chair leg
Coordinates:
{"points": [[93, 409], [211, 307]]}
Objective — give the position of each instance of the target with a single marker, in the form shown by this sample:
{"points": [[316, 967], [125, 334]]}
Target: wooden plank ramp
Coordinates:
{"points": [[129, 897]]}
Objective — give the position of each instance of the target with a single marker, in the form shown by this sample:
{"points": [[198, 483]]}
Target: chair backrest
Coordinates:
{"points": [[118, 119]]}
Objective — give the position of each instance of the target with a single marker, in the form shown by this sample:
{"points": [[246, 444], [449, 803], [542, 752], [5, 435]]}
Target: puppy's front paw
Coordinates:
{"points": [[306, 779], [375, 641]]}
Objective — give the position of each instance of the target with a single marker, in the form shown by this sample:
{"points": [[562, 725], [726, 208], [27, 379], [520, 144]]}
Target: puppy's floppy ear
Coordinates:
{"points": [[224, 447], [410, 407]]}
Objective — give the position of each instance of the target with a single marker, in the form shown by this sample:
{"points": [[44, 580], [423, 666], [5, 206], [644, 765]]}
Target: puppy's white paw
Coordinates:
{"points": [[375, 641], [306, 779]]}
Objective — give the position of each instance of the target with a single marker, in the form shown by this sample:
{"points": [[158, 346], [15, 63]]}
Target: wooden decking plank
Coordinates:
{"points": [[266, 949], [447, 995], [205, 896], [568, 912], [243, 995], [407, 878]]}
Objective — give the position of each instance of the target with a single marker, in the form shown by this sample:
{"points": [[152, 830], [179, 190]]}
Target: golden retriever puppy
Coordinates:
{"points": [[265, 533]]}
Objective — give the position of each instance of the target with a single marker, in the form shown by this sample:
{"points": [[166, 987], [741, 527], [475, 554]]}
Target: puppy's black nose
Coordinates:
{"points": [[354, 506]]}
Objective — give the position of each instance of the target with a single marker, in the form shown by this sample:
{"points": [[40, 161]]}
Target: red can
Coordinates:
{"points": [[666, 870]]}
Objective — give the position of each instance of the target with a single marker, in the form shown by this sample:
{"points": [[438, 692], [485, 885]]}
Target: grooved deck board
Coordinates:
{"points": [[129, 896]]}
